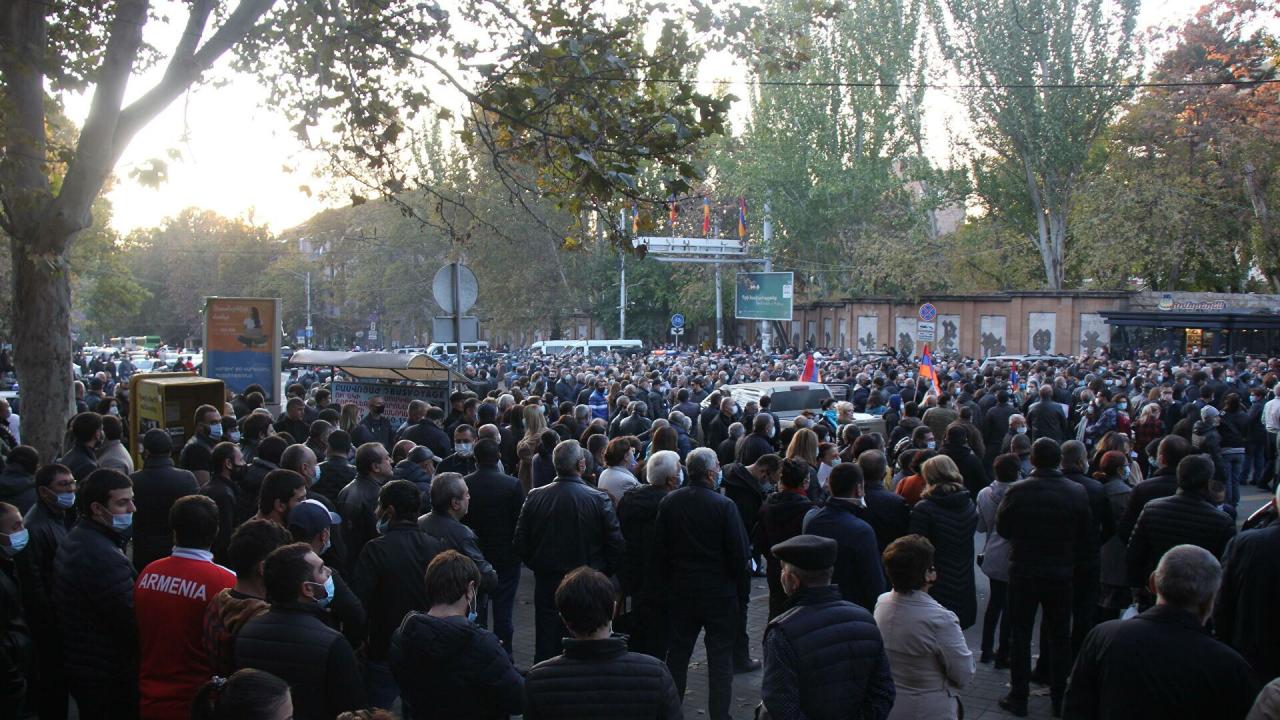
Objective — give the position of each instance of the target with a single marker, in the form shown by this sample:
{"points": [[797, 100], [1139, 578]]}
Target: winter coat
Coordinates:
{"points": [[597, 679], [781, 518], [227, 612], [927, 653], [948, 519], [857, 572], [744, 490], [336, 472], [1118, 494], [388, 580], [970, 465], [156, 487], [1244, 616], [996, 551], [886, 512], [93, 593], [452, 668], [567, 524], [700, 544], [453, 535], [1185, 518], [496, 499], [1046, 519], [18, 487]]}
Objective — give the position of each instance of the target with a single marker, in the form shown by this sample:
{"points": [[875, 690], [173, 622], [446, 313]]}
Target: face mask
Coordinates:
{"points": [[376, 410], [1020, 430], [315, 474], [234, 436], [720, 477], [114, 411], [471, 611], [1122, 406], [464, 449], [836, 461], [383, 524], [328, 592], [773, 430], [66, 500], [1124, 472], [327, 544], [932, 445], [17, 541], [122, 522], [215, 431]]}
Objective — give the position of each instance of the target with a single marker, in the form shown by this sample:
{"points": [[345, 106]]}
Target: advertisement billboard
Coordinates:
{"points": [[242, 343], [763, 296], [396, 397]]}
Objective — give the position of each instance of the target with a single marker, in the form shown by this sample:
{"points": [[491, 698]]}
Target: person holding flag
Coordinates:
{"points": [[810, 373], [927, 372]]}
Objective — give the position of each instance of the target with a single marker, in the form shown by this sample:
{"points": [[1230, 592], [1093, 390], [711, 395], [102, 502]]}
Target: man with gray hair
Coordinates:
{"points": [[1163, 664], [450, 501], [563, 525], [637, 514], [700, 560]]}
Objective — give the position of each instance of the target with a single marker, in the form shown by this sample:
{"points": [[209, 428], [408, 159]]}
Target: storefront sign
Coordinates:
{"points": [[1167, 303]]}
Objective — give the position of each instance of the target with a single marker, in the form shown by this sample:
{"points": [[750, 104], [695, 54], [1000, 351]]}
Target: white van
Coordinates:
{"points": [[559, 347], [438, 350]]}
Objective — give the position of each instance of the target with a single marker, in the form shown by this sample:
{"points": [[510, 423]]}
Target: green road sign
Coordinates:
{"points": [[763, 296]]}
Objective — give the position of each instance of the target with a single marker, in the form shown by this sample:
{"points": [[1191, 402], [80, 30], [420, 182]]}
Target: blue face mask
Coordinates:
{"points": [[234, 436], [66, 499], [720, 477], [328, 592], [327, 544], [17, 541], [315, 474], [122, 522], [383, 524], [215, 431], [471, 611]]}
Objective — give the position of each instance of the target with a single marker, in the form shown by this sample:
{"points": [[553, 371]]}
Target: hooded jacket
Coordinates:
{"points": [[226, 614]]}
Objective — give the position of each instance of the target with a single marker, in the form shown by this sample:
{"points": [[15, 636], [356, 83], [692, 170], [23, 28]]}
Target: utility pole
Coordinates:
{"points": [[622, 286], [310, 328], [766, 328], [719, 312]]}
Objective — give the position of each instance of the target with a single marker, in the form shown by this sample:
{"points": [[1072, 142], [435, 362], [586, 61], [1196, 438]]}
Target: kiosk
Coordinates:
{"points": [[169, 401]]}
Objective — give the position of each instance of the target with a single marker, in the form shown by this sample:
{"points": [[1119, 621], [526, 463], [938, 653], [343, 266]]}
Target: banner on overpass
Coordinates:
{"points": [[763, 296]]}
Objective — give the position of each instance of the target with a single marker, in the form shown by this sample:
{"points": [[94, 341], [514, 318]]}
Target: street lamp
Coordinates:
{"points": [[310, 331]]}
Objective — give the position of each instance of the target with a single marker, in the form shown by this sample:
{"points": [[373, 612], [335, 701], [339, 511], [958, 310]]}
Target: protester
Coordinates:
{"points": [[994, 562], [157, 486], [928, 657], [246, 695], [781, 518], [857, 570], [47, 524], [358, 500], [15, 636], [946, 517], [231, 608], [450, 503], [886, 511], [445, 664], [496, 499]]}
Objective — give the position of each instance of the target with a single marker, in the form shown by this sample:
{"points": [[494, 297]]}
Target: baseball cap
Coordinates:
{"points": [[312, 516]]}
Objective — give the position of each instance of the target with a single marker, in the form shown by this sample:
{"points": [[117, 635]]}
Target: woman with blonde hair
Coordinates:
{"points": [[804, 447], [946, 516], [534, 424], [349, 418]]}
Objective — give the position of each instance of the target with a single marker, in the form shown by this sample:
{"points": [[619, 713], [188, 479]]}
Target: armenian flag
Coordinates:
{"points": [[810, 373], [742, 218], [671, 206], [706, 217], [926, 368], [635, 219]]}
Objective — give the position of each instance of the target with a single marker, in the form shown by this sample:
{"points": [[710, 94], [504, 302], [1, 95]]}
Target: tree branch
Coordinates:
{"points": [[24, 184]]}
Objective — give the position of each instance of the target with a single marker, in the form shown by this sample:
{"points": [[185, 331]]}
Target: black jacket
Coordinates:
{"points": [[357, 504], [432, 436], [292, 642], [970, 465], [717, 430], [388, 579], [1243, 615], [752, 448], [297, 429], [948, 519], [93, 595], [1102, 524], [496, 499], [637, 516], [1048, 420], [744, 490], [887, 512], [1161, 665], [82, 460], [408, 470], [222, 492], [995, 425], [1046, 519], [780, 519], [453, 535], [156, 487], [373, 429], [1181, 519], [566, 524], [16, 651], [700, 545], [458, 463], [600, 679], [452, 668], [18, 487], [46, 530], [336, 472], [634, 425], [857, 571], [824, 658], [251, 488], [1162, 483]]}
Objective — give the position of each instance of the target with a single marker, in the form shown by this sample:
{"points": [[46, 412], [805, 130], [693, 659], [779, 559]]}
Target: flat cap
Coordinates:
{"points": [[807, 552]]}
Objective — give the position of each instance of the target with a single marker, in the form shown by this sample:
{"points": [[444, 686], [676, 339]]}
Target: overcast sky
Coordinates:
{"points": [[234, 151]]}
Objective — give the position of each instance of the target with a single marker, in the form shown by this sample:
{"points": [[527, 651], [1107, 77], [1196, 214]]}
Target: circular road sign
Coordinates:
{"points": [[442, 288], [677, 320], [928, 312]]}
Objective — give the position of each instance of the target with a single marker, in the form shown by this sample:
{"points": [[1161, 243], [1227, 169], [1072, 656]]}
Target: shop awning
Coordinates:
{"points": [[1224, 320], [380, 365]]}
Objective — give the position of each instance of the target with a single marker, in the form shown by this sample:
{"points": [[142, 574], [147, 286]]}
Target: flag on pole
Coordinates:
{"points": [[926, 369], [1013, 377], [635, 219], [810, 373], [671, 206], [706, 217], [742, 218]]}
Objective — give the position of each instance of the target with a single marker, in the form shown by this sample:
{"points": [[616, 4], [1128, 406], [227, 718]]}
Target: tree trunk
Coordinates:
{"points": [[42, 343]]}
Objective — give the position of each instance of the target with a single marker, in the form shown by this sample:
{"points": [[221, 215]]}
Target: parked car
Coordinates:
{"points": [[1024, 361], [788, 400]]}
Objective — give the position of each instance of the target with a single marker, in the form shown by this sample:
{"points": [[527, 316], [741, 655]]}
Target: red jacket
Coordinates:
{"points": [[170, 598]]}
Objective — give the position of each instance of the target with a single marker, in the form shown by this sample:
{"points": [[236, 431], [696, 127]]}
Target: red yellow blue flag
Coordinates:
{"points": [[706, 217], [742, 218]]}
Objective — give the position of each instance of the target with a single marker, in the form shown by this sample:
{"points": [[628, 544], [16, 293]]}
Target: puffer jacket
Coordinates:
{"points": [[637, 514], [413, 472], [336, 472], [18, 487], [599, 678], [93, 592], [566, 524], [225, 615], [1185, 518], [781, 518], [292, 642], [946, 517], [1102, 524], [452, 668], [1117, 492]]}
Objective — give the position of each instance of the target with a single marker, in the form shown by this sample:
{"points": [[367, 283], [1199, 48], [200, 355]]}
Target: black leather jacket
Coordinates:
{"points": [[453, 535], [388, 579], [566, 524]]}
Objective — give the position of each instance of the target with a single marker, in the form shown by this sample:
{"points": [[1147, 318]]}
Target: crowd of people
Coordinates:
{"points": [[327, 562]]}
